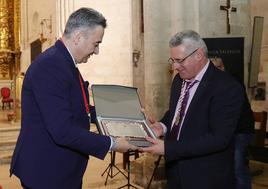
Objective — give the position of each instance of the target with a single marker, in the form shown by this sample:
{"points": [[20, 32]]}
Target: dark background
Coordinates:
{"points": [[231, 50]]}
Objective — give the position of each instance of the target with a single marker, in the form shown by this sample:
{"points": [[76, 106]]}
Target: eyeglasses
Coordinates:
{"points": [[180, 61]]}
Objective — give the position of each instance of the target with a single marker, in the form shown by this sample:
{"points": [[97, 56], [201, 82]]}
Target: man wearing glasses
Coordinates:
{"points": [[199, 126]]}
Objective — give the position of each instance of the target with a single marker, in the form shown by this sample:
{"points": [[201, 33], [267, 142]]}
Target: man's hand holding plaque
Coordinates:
{"points": [[157, 146], [121, 145], [154, 125]]}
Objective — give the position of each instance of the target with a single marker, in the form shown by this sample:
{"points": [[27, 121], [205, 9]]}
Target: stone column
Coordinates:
{"points": [[63, 10], [157, 31], [157, 76]]}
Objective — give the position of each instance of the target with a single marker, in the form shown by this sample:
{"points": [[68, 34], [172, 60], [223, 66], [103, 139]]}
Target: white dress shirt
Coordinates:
{"points": [[192, 91]]}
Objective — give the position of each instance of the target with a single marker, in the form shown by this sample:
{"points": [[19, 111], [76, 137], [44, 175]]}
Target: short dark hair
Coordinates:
{"points": [[84, 18]]}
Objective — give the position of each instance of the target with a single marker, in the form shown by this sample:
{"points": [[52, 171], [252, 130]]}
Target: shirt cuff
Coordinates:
{"points": [[164, 127], [112, 143]]}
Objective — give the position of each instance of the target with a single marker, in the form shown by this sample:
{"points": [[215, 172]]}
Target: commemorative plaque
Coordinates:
{"points": [[118, 113]]}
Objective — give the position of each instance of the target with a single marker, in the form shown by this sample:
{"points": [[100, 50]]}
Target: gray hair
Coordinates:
{"points": [[190, 39], [84, 19]]}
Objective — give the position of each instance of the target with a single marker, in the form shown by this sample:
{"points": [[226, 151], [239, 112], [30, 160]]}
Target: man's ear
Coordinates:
{"points": [[76, 37], [200, 53]]}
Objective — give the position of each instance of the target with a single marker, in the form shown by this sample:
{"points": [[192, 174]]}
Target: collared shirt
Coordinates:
{"points": [[75, 64], [192, 91]]}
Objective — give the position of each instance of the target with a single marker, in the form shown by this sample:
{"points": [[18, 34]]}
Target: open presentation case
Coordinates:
{"points": [[118, 114]]}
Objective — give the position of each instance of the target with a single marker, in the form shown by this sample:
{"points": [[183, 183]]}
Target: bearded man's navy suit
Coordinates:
{"points": [[204, 155], [54, 143]]}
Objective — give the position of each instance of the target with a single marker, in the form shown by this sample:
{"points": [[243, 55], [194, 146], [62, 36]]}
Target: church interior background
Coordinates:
{"points": [[134, 51]]}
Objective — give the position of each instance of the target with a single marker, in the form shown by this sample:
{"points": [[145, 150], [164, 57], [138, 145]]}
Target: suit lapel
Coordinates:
{"points": [[174, 97], [176, 90], [203, 87], [70, 64], [176, 94]]}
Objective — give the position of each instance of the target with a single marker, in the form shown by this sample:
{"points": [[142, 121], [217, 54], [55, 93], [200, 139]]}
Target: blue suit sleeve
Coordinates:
{"points": [[62, 109]]}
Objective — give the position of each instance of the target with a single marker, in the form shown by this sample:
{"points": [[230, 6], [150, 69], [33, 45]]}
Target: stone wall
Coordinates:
{"points": [[32, 13], [213, 24], [259, 8], [113, 65]]}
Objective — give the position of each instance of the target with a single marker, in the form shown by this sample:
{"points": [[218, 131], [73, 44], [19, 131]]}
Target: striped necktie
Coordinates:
{"points": [[184, 97]]}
